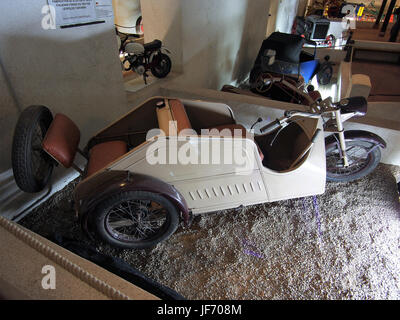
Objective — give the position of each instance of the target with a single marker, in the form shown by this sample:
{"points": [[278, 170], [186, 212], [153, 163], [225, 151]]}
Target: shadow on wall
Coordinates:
{"points": [[10, 109], [162, 20], [287, 11], [220, 41], [252, 37], [81, 78]]}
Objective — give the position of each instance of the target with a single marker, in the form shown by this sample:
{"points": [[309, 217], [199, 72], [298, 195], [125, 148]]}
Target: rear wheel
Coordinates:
{"points": [[162, 66], [32, 166], [363, 158], [135, 219]]}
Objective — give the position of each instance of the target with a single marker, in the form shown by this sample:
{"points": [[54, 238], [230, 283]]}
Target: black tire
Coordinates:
{"points": [[130, 208], [366, 163], [32, 167], [162, 67]]}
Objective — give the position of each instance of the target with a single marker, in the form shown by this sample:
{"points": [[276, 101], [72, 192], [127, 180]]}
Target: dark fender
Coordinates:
{"points": [[357, 135], [89, 193]]}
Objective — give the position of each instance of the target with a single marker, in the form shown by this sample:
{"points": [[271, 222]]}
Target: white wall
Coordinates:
{"points": [[75, 71], [163, 20], [126, 14], [287, 11], [213, 42]]}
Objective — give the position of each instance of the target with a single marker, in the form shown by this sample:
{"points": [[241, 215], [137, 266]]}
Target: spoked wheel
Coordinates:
{"points": [[32, 166], [162, 67], [363, 158], [135, 219], [264, 82]]}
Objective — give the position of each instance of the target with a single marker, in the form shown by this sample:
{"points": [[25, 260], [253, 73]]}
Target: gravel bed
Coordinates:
{"points": [[344, 244]]}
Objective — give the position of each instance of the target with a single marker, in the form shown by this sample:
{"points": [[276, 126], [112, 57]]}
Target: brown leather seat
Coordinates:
{"points": [[62, 139], [103, 154], [179, 115]]}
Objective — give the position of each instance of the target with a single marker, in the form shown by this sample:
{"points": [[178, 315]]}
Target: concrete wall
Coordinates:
{"points": [[213, 42], [75, 71]]}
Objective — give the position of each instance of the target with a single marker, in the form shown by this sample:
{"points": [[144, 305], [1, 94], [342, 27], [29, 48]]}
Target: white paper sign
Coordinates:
{"points": [[104, 9], [78, 12]]}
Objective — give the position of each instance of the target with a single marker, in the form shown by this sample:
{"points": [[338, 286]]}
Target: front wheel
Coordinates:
{"points": [[135, 219], [363, 158], [162, 66]]}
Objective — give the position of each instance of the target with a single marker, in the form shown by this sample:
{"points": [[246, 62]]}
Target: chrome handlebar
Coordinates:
{"points": [[272, 126]]}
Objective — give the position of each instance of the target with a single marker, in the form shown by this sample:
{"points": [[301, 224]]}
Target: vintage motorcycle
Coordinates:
{"points": [[131, 197], [282, 57], [142, 58]]}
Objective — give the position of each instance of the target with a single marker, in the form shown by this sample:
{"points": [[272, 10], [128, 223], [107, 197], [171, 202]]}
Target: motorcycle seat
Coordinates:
{"points": [[358, 105], [156, 44]]}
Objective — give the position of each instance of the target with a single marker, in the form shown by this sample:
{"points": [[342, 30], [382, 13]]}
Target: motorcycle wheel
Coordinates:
{"points": [[363, 158], [135, 219], [260, 86], [32, 166], [163, 67]]}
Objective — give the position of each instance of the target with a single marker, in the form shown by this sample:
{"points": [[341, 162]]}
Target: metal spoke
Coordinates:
{"points": [[121, 223], [357, 156], [136, 220]]}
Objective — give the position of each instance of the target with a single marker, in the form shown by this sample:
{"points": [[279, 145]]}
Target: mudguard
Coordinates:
{"points": [[357, 135], [89, 193]]}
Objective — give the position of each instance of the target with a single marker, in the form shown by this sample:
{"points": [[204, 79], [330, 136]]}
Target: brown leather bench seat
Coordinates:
{"points": [[179, 115]]}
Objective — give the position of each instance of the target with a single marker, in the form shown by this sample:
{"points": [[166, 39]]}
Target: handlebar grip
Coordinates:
{"points": [[271, 126]]}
